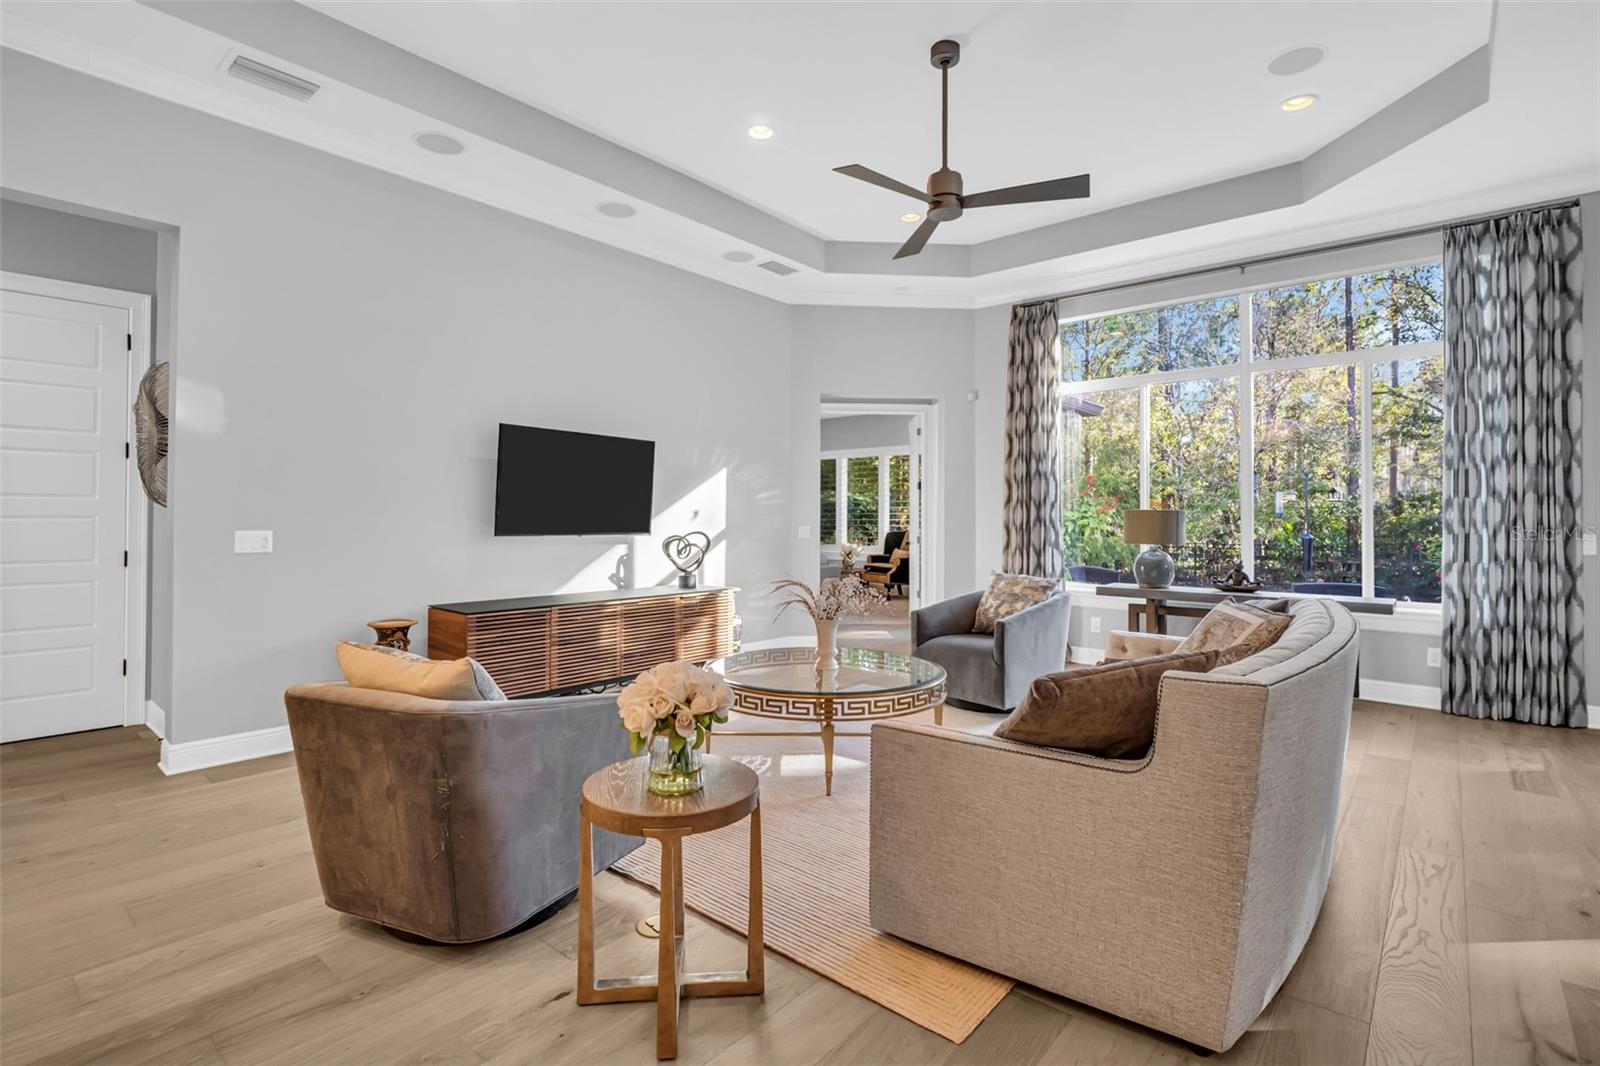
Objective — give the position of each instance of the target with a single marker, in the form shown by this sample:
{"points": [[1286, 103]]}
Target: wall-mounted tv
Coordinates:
{"points": [[549, 483]]}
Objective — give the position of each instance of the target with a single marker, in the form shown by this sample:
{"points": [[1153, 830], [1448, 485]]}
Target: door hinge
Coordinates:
{"points": [[124, 558], [130, 342], [127, 450], [124, 668]]}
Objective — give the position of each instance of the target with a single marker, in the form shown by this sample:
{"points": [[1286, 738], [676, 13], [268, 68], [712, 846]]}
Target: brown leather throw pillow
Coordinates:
{"points": [[1107, 710]]}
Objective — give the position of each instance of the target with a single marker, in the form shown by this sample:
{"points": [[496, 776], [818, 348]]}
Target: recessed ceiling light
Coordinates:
{"points": [[1299, 103], [439, 143], [760, 133], [1297, 60], [910, 216], [737, 257], [612, 209]]}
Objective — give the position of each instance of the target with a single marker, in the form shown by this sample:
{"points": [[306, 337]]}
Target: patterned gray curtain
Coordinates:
{"points": [[1033, 444], [1512, 559]]}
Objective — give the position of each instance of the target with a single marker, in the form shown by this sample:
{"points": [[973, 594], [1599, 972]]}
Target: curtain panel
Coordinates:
{"points": [[1033, 444], [1512, 551]]}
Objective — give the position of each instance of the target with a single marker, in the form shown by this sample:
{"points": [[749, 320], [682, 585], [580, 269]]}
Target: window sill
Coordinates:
{"points": [[1423, 618]]}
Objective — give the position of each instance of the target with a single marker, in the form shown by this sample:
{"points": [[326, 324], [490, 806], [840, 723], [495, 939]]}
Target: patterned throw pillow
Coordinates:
{"points": [[393, 670], [1006, 595], [1232, 627]]}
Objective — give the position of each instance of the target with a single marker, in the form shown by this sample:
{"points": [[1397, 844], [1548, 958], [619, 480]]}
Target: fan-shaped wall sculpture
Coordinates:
{"points": [[150, 409]]}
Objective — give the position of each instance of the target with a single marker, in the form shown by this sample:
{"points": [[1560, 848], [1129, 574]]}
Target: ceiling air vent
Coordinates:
{"points": [[783, 270], [258, 73]]}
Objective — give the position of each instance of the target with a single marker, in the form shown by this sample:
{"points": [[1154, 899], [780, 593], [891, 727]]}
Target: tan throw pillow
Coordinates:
{"points": [[1107, 710], [1229, 625], [393, 670], [1006, 595]]}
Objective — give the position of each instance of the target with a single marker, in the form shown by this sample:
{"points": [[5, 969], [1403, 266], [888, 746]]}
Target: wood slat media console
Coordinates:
{"points": [[554, 643]]}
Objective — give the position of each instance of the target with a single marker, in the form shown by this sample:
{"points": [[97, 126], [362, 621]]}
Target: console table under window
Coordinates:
{"points": [[1155, 606]]}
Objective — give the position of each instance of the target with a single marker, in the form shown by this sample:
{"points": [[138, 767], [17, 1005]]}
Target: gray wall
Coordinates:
{"points": [[874, 353], [91, 251], [865, 431], [350, 340]]}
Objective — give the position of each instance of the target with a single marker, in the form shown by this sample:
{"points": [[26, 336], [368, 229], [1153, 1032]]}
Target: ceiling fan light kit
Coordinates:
{"points": [[945, 196]]}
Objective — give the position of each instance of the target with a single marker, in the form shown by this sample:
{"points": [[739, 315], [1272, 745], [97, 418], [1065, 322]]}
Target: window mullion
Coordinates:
{"points": [[1368, 553], [1246, 407], [1144, 447], [883, 498], [841, 499]]}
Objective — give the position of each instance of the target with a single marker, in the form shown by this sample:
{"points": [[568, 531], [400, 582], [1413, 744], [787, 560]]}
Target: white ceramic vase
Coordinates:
{"points": [[827, 643]]}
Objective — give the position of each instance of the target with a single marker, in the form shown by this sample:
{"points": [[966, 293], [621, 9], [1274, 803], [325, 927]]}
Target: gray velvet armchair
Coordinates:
{"points": [[992, 671], [451, 821]]}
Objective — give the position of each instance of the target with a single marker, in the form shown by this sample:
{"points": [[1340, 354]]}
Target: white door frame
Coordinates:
{"points": [[927, 579], [137, 518]]}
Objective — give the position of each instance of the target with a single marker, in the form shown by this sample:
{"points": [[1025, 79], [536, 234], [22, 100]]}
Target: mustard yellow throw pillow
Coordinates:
{"points": [[393, 670]]}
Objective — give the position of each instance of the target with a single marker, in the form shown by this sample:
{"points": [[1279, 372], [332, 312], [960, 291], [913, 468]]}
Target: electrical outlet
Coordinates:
{"points": [[1589, 545], [252, 541], [1433, 657], [1094, 624]]}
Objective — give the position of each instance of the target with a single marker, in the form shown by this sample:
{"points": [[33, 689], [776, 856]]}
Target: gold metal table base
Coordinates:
{"points": [[825, 729]]}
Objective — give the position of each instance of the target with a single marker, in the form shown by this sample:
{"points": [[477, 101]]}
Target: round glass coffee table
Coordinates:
{"points": [[867, 684]]}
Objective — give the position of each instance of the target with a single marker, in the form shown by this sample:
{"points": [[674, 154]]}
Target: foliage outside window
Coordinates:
{"points": [[1343, 381], [861, 505], [828, 522]]}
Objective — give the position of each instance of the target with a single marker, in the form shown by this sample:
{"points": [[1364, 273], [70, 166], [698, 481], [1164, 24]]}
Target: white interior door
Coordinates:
{"points": [[64, 510]]}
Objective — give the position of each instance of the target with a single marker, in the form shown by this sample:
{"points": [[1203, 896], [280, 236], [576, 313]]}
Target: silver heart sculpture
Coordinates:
{"points": [[686, 551]]}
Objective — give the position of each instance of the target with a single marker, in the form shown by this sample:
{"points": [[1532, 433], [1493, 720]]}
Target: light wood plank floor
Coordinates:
{"points": [[146, 919]]}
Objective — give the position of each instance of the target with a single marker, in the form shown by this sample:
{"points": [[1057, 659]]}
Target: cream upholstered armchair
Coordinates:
{"points": [[1176, 889]]}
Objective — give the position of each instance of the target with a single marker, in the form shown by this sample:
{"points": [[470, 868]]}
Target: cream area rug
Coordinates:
{"points": [[814, 865]]}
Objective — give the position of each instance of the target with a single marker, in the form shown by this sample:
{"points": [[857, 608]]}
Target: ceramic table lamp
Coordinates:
{"points": [[1153, 569]]}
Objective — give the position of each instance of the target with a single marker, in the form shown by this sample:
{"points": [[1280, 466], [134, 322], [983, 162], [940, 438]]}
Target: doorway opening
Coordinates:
{"points": [[878, 503]]}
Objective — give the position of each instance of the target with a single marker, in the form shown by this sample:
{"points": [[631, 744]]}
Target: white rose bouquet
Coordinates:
{"points": [[680, 700]]}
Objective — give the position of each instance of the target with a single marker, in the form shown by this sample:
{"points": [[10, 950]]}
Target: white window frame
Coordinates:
{"points": [[1244, 372], [841, 497]]}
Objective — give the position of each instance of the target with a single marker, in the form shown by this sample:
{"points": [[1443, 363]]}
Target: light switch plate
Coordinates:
{"points": [[252, 541], [805, 533], [1433, 657], [1094, 624]]}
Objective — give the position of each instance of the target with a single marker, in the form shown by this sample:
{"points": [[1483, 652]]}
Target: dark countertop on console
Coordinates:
{"points": [[525, 603]]}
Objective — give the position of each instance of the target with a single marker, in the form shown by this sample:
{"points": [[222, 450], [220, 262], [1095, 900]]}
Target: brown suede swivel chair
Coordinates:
{"points": [[452, 821]]}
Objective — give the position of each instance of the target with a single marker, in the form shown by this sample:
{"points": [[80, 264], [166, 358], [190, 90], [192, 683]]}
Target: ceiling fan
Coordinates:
{"points": [[944, 197]]}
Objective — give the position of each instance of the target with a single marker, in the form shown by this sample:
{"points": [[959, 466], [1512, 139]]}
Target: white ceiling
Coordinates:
{"points": [[1153, 99], [1150, 98]]}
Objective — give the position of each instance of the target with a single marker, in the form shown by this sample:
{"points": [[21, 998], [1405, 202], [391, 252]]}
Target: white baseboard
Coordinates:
{"points": [[1086, 655], [1594, 716], [217, 751], [1398, 692], [155, 718]]}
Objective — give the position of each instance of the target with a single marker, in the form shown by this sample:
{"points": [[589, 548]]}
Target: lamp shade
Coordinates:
{"points": [[1152, 527]]}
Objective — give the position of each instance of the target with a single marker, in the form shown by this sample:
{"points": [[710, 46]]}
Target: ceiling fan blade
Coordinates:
{"points": [[917, 239], [1074, 188], [872, 177]]}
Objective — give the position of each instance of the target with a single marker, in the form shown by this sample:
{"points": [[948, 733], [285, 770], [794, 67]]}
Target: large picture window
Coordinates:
{"points": [[1300, 429]]}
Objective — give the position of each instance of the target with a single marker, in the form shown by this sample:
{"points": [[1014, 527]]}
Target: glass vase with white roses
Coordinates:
{"points": [[670, 709]]}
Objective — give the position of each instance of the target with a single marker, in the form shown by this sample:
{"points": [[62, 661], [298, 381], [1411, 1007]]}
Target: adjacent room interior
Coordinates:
{"points": [[798, 533]]}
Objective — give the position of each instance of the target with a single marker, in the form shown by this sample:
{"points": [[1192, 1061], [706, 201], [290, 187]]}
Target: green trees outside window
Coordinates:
{"points": [[1343, 379]]}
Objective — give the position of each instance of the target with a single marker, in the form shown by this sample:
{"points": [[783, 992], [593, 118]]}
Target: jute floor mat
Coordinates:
{"points": [[814, 862]]}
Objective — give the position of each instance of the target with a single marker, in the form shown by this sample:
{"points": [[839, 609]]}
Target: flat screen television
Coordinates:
{"points": [[550, 483]]}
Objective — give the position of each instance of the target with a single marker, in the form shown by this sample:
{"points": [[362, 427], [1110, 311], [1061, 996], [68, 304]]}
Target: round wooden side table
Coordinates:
{"points": [[617, 798]]}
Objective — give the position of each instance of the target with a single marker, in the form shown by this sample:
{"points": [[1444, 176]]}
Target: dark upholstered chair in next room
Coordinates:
{"points": [[994, 670], [449, 820]]}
